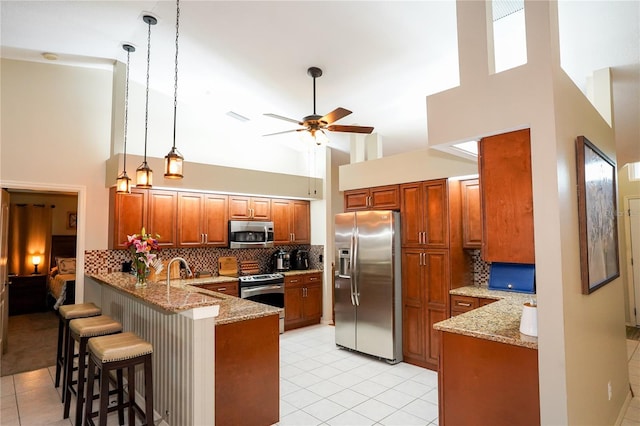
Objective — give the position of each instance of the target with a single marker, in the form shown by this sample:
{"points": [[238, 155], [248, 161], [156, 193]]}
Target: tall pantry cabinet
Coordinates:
{"points": [[433, 262]]}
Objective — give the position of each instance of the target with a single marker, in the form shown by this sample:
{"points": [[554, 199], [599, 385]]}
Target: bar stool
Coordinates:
{"points": [[81, 330], [65, 314], [116, 352]]}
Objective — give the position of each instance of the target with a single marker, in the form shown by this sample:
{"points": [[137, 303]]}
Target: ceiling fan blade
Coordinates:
{"points": [[335, 115], [350, 129], [286, 131], [279, 117]]}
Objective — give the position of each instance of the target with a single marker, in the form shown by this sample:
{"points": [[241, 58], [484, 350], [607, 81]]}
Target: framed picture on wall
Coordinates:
{"points": [[72, 220], [597, 216]]}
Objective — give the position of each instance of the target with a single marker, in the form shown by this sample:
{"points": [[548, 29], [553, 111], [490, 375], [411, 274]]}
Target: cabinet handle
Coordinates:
{"points": [[419, 237], [206, 238], [222, 289], [369, 203], [468, 305]]}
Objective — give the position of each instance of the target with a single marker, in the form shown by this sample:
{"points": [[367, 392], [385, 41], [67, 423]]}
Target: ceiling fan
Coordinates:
{"points": [[316, 124]]}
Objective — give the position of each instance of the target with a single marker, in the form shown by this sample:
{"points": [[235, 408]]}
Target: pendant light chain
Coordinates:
{"points": [[146, 105], [126, 109], [175, 84]]}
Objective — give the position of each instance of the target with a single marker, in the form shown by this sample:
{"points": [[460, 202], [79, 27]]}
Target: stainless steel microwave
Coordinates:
{"points": [[250, 234]]}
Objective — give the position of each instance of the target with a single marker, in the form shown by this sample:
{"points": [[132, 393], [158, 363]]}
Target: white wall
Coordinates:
{"points": [[56, 124]]}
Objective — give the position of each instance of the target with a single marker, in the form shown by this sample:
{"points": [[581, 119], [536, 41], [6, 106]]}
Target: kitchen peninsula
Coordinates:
{"points": [[488, 369], [194, 332]]}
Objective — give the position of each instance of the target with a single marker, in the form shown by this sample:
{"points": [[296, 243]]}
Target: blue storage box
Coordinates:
{"points": [[512, 277]]}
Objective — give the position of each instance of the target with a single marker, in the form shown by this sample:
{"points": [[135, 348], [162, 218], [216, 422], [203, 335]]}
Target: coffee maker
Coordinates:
{"points": [[300, 259], [280, 261]]}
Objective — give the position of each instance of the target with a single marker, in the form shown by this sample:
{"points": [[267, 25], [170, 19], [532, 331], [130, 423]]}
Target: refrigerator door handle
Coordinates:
{"points": [[355, 267], [351, 269]]}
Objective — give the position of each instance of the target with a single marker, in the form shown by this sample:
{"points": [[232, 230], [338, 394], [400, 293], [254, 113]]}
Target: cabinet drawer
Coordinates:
{"points": [[230, 288], [463, 303], [483, 302]]}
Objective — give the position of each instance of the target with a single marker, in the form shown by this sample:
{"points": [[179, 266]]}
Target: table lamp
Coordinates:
{"points": [[36, 261]]}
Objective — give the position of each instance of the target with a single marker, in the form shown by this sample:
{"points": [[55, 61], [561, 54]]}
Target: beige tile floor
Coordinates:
{"points": [[30, 399]]}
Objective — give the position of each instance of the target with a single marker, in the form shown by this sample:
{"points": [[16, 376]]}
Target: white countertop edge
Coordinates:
{"points": [[201, 313]]}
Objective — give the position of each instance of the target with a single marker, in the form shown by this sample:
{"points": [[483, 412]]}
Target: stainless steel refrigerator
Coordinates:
{"points": [[368, 292]]}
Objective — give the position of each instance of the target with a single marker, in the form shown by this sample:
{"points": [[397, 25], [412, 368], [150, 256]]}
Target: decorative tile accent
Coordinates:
{"points": [[200, 259], [480, 270]]}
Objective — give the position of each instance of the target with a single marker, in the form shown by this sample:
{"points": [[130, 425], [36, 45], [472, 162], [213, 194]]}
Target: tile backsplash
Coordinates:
{"points": [[200, 259], [481, 269]]}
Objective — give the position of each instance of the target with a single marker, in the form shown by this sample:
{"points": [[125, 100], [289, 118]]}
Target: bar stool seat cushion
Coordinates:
{"points": [[79, 310], [119, 347], [94, 326]]}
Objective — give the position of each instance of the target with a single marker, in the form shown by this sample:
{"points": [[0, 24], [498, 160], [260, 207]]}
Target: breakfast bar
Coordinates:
{"points": [[179, 320]]}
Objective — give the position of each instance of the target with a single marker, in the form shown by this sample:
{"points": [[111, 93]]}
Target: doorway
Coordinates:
{"points": [[634, 232], [31, 314]]}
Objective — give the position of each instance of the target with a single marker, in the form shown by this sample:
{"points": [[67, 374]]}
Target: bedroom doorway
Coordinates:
{"points": [[34, 246]]}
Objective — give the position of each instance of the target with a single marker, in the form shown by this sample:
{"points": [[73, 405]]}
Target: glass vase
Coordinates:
{"points": [[142, 272]]}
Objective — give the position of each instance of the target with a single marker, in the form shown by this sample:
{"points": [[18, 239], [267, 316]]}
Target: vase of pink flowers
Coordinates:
{"points": [[144, 251]]}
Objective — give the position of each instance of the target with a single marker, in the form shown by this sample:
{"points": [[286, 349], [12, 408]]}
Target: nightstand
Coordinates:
{"points": [[27, 294]]}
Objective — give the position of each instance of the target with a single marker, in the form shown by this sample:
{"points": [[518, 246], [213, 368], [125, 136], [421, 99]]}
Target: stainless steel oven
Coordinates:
{"points": [[265, 288]]}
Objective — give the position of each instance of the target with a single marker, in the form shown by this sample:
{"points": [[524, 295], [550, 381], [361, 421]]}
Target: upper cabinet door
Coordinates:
{"points": [[436, 214], [190, 211], [215, 220], [356, 199], [301, 221], [471, 216], [128, 217], [507, 198], [411, 223], [384, 197], [249, 208], [281, 215], [163, 212]]}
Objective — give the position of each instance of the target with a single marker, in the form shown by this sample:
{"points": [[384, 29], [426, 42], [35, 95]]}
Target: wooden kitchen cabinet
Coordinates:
{"points": [[494, 381], [128, 215], [230, 288], [247, 372], [202, 220], [425, 214], [291, 221], [249, 208], [506, 198], [163, 217], [377, 198], [302, 300], [152, 209], [425, 288], [471, 214]]}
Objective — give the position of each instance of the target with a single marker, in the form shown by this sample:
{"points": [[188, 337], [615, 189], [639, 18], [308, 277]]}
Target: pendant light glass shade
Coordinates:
{"points": [[144, 174], [123, 182], [173, 164], [173, 160]]}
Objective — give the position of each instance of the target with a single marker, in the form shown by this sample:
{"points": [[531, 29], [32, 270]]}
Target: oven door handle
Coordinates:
{"points": [[263, 289]]}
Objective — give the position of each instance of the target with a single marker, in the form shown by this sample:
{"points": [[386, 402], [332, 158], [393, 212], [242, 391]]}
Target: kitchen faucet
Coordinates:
{"points": [[180, 259]]}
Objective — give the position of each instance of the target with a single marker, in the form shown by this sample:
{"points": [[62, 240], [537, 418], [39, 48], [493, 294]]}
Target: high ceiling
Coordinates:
{"points": [[380, 59]]}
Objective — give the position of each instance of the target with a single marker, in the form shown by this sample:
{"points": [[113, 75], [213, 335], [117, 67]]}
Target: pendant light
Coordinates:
{"points": [[144, 175], [173, 160], [123, 183]]}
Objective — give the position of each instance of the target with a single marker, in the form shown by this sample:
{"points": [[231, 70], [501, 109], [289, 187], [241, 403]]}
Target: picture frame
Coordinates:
{"points": [[597, 216], [72, 220]]}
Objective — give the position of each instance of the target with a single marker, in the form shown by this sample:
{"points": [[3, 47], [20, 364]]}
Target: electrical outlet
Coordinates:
{"points": [[320, 258], [609, 390]]}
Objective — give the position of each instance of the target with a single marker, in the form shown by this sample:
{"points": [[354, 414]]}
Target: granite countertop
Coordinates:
{"points": [[498, 321], [180, 297]]}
